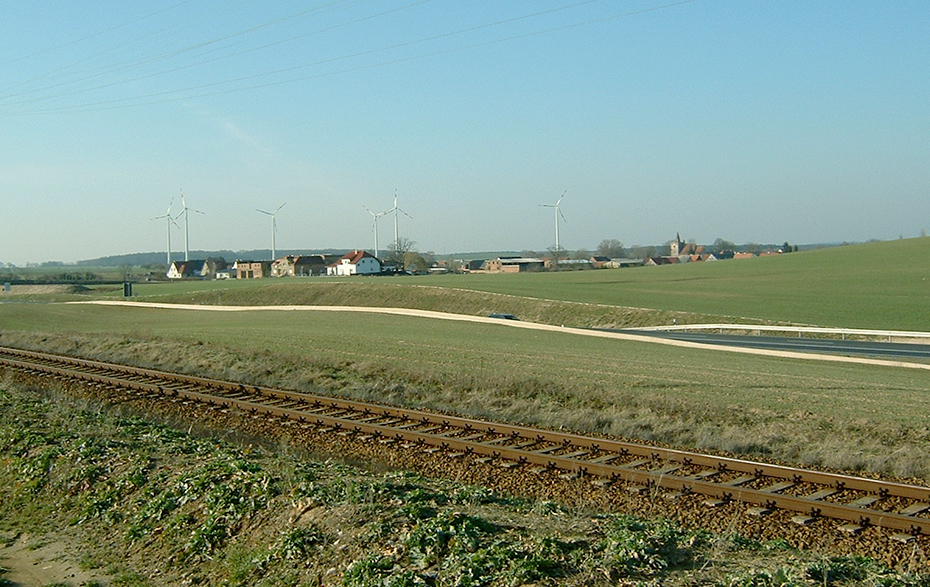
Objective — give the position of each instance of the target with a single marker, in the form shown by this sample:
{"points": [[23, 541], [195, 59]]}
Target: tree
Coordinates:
{"points": [[611, 248], [528, 254], [754, 248], [721, 245], [397, 252], [557, 253], [414, 261], [581, 254], [643, 252]]}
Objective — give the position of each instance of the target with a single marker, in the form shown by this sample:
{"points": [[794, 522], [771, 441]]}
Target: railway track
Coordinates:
{"points": [[815, 497]]}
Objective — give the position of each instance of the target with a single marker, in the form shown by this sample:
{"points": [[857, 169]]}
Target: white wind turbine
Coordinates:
{"points": [[186, 212], [395, 210], [558, 213], [274, 229], [170, 221], [374, 224]]}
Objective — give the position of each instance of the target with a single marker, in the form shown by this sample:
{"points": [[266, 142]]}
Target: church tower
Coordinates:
{"points": [[675, 246]]}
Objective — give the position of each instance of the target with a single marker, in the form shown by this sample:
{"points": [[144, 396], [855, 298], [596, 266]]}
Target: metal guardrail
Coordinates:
{"points": [[800, 330]]}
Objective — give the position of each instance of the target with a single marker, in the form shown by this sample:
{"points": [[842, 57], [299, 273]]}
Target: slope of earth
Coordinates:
{"points": [[130, 502]]}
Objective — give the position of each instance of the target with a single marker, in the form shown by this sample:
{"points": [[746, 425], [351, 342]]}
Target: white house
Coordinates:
{"points": [[355, 263]]}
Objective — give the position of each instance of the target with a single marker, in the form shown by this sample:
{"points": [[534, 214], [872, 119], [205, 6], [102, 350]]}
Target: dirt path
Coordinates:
{"points": [[516, 324], [34, 561]]}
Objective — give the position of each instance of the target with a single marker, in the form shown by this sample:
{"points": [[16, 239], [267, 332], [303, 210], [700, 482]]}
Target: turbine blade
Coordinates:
{"points": [[263, 212], [279, 207]]}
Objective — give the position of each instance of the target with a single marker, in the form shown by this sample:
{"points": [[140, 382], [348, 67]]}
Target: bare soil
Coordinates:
{"points": [[36, 561]]}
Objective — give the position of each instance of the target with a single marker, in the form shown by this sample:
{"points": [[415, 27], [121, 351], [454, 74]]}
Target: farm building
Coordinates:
{"points": [[355, 263], [514, 265]]}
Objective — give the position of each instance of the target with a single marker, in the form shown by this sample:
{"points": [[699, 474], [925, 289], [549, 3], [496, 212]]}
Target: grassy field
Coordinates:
{"points": [[880, 285], [857, 417], [876, 285], [866, 418], [836, 415]]}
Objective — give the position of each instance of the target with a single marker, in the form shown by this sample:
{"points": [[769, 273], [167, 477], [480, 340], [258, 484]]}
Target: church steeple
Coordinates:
{"points": [[675, 246]]}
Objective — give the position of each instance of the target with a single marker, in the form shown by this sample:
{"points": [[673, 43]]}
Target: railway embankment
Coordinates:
{"points": [[162, 500]]}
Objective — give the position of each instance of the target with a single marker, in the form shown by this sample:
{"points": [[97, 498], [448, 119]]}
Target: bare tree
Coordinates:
{"points": [[611, 248], [581, 254], [397, 252]]}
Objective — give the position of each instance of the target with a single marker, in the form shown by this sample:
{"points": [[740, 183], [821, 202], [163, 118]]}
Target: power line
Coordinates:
{"points": [[192, 92]]}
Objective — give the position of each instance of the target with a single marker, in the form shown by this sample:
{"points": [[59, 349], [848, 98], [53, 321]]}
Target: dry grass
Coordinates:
{"points": [[678, 415], [425, 297]]}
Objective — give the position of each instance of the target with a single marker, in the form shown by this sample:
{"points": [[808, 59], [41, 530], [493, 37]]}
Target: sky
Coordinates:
{"points": [[759, 121]]}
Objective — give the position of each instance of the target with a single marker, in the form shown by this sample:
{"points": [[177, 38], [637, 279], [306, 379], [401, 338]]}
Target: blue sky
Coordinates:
{"points": [[753, 121]]}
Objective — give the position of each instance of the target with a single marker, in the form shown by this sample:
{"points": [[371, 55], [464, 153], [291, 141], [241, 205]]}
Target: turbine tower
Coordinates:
{"points": [[395, 210], [170, 221], [374, 224], [558, 213], [274, 229], [186, 212]]}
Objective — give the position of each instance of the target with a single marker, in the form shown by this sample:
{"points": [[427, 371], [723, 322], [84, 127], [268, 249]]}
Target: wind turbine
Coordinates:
{"points": [[395, 210], [274, 229], [558, 213], [374, 224], [186, 212], [170, 221]]}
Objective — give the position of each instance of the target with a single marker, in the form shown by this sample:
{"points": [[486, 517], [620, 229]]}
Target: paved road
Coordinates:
{"points": [[813, 345]]}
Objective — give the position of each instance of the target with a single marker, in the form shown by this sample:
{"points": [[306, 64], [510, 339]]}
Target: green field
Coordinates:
{"points": [[789, 409], [840, 415], [877, 285], [880, 285]]}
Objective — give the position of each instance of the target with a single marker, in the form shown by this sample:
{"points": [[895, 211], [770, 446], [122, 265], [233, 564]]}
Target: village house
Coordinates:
{"points": [[252, 269], [355, 263], [196, 269], [301, 265]]}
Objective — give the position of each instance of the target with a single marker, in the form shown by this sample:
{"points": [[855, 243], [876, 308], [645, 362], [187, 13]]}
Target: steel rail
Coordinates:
{"points": [[518, 444]]}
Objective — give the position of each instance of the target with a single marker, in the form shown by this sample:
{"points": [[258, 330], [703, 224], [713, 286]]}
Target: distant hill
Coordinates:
{"points": [[142, 259]]}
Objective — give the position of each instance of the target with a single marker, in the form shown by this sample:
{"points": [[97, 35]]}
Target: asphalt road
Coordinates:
{"points": [[887, 350]]}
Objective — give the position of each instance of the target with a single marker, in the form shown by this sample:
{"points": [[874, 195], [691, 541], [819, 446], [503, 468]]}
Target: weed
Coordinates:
{"points": [[433, 538], [379, 571], [638, 547], [838, 569], [242, 565], [298, 544], [777, 578]]}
